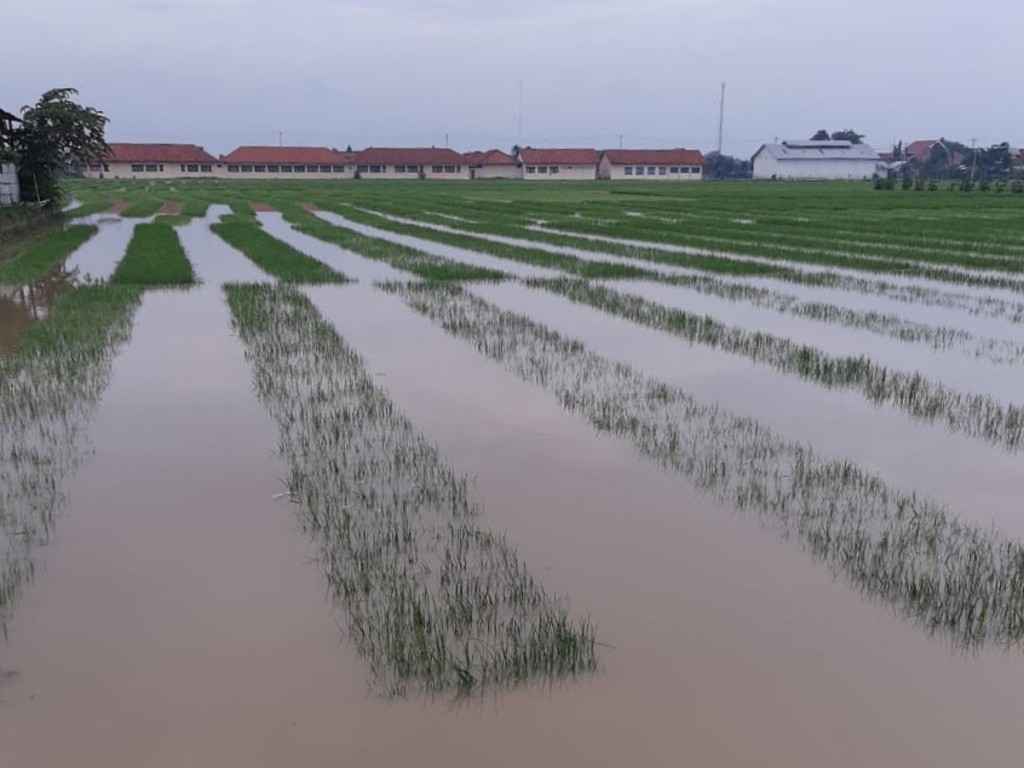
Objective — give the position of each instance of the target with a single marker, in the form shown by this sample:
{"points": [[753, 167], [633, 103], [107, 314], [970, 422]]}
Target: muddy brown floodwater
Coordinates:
{"points": [[179, 620]]}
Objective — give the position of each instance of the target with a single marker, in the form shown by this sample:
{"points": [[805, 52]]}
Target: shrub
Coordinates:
{"points": [[919, 185], [1017, 187]]}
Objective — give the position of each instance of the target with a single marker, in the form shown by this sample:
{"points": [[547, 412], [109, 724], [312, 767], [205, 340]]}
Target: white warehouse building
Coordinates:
{"points": [[815, 160]]}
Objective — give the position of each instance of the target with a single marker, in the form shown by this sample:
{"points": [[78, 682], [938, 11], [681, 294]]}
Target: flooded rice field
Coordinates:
{"points": [[281, 487]]}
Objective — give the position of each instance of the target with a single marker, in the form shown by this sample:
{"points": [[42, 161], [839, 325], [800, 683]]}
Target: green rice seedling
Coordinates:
{"points": [[44, 256], [154, 258], [273, 256], [434, 602], [398, 256], [976, 416], [952, 578], [49, 389], [148, 206]]}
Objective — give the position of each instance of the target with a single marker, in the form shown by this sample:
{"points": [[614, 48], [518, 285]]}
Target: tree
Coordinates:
{"points": [[717, 166], [849, 135], [821, 135], [55, 134]]}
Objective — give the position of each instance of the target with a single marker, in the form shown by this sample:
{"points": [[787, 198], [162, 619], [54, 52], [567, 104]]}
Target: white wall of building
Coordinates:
{"points": [[248, 171], [557, 172], [10, 192], [148, 170], [650, 172], [447, 171], [494, 172], [767, 167]]}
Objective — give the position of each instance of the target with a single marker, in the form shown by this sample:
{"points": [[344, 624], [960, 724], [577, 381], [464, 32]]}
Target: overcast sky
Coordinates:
{"points": [[407, 72]]}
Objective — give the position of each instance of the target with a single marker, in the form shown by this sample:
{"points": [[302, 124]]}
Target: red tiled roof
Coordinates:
{"points": [[654, 157], [533, 156], [409, 156], [490, 157], [158, 153], [286, 155], [922, 151]]}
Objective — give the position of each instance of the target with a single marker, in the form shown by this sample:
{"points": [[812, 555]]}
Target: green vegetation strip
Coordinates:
{"points": [[435, 603], [398, 256], [44, 256], [49, 388], [273, 256], [148, 206], [950, 577], [977, 416], [154, 257]]}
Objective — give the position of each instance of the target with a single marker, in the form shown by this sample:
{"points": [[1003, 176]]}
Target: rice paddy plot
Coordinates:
{"points": [[214, 261]]}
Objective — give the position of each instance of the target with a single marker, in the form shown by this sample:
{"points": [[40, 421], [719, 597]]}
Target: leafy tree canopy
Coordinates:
{"points": [[54, 134], [849, 135]]}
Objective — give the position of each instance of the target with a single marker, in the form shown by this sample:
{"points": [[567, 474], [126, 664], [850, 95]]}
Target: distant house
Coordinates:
{"points": [[410, 163], [493, 164], [152, 161], [557, 164], [922, 149], [816, 160], [652, 164], [10, 191], [286, 163]]}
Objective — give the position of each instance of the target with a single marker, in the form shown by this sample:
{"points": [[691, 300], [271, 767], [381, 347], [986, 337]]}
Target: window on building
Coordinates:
{"points": [[106, 168], [449, 169], [325, 169], [695, 169], [206, 168], [246, 169], [639, 170], [375, 169], [399, 169], [628, 170], [259, 168], [531, 169], [182, 167], [650, 170], [151, 168], [232, 168], [554, 169], [312, 168], [412, 169], [339, 169], [137, 168], [685, 169], [193, 168], [286, 169], [437, 169], [273, 169], [662, 170], [674, 169], [299, 169], [542, 169]]}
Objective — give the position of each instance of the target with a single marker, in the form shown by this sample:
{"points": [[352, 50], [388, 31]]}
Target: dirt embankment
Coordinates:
{"points": [[169, 209], [118, 207], [261, 208]]}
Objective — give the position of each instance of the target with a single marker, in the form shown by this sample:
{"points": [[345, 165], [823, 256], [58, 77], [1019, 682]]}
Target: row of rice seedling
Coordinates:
{"points": [[274, 257], [952, 578], [434, 602], [719, 231], [49, 388], [154, 258], [886, 324], [400, 257], [45, 255], [976, 416]]}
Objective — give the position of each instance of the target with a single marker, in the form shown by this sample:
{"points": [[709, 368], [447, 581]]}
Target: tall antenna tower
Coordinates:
{"points": [[519, 136], [721, 117]]}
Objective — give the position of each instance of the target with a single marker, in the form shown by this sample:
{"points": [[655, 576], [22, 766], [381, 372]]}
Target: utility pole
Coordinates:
{"points": [[519, 135], [721, 118], [620, 141], [280, 138]]}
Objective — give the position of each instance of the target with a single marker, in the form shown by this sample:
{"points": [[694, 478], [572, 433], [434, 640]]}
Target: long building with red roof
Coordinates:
{"points": [[492, 164], [651, 164], [287, 163], [557, 164], [152, 161], [410, 163]]}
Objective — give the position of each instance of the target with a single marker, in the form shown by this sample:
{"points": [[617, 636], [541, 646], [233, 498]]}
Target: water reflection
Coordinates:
{"points": [[21, 307]]}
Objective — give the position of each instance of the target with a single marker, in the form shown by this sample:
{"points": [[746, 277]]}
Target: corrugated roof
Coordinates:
{"points": [[409, 156], [654, 156], [284, 155], [490, 157], [533, 156], [818, 150], [158, 153]]}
